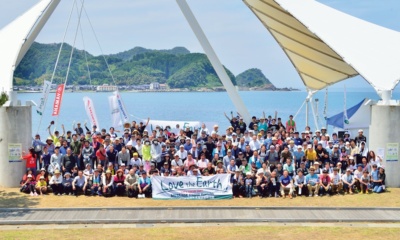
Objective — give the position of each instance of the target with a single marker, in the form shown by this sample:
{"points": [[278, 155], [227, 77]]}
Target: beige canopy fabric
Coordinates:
{"points": [[327, 46]]}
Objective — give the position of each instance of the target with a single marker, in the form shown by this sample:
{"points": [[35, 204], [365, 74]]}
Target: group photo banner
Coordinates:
{"points": [[192, 188]]}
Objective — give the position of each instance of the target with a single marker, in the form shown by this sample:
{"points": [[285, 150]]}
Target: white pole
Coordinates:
{"points": [[212, 56]]}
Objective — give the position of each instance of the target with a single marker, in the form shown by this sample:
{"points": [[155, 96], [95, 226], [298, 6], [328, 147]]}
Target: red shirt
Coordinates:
{"points": [[101, 155], [30, 161], [325, 179]]}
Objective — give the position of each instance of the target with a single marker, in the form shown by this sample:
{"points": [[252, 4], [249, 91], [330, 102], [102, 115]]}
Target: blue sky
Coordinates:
{"points": [[237, 36]]}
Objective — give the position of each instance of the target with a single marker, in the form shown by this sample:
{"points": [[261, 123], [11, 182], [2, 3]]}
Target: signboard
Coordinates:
{"points": [[192, 188], [14, 152], [392, 152]]}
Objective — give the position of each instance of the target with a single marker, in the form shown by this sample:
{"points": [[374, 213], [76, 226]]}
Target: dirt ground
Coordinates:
{"points": [[12, 198]]}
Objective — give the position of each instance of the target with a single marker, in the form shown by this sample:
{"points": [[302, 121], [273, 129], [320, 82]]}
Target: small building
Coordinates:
{"points": [[106, 88], [154, 86]]}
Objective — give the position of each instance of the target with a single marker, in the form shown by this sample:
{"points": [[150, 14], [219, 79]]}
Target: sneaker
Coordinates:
{"points": [[310, 195], [35, 194], [58, 194], [31, 193]]}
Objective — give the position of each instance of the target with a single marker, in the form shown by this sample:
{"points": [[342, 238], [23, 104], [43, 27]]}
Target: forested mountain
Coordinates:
{"points": [[252, 78], [177, 67]]}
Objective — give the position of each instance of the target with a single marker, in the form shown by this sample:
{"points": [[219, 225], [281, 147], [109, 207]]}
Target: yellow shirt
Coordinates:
{"points": [[41, 184], [311, 155]]}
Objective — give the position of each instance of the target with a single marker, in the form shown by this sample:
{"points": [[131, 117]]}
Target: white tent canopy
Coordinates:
{"points": [[17, 37], [327, 46]]}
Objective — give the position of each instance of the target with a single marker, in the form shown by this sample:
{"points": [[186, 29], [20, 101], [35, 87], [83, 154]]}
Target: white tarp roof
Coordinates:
{"points": [[17, 37], [327, 46]]}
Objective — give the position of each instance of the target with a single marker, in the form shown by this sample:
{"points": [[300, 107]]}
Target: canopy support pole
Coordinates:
{"points": [[212, 56]]}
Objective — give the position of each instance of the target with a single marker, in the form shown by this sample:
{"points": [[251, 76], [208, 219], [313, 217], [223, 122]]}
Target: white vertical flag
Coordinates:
{"points": [[115, 112], [43, 99], [90, 111], [121, 106]]}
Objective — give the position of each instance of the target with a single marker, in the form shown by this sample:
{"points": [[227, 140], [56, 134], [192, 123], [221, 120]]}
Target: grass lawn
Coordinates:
{"points": [[11, 197], [237, 232]]}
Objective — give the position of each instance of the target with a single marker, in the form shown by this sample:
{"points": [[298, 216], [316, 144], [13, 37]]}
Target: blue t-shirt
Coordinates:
{"points": [[285, 180], [312, 180]]}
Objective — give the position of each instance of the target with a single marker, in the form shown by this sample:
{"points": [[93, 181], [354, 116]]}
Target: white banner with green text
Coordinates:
{"points": [[192, 188]]}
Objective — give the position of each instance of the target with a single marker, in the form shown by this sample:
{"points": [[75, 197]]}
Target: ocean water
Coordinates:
{"points": [[192, 106]]}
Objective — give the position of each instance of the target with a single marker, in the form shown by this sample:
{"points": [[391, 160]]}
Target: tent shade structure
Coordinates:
{"points": [[338, 120], [17, 37], [327, 46]]}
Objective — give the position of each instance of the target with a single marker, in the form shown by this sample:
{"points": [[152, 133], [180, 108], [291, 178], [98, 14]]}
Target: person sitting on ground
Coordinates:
{"points": [[365, 182], [79, 184], [237, 184], [95, 186], [312, 180], [262, 183], [67, 184], [274, 185], [358, 173], [119, 183], [325, 183], [336, 181], [41, 186], [248, 182], [56, 183], [145, 185], [286, 184], [108, 184], [379, 185], [28, 185], [348, 182], [131, 183], [300, 183]]}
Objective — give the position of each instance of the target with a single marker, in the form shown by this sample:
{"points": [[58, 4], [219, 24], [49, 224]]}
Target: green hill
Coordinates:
{"points": [[177, 67], [252, 78]]}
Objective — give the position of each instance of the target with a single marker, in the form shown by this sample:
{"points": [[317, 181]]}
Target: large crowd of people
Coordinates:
{"points": [[266, 157]]}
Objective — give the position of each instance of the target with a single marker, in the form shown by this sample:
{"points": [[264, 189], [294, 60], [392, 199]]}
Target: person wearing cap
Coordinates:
{"points": [[348, 182], [325, 183], [119, 183], [365, 182], [41, 186], [56, 183], [360, 137], [28, 185], [336, 181], [310, 155], [358, 173], [233, 121], [300, 183], [262, 183], [237, 183], [312, 180], [131, 183], [95, 183], [248, 184], [135, 160], [194, 171], [145, 185], [298, 156], [56, 134], [67, 184]]}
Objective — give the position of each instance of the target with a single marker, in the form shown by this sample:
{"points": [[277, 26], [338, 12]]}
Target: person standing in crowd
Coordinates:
{"points": [[76, 148], [290, 124], [38, 145], [30, 159]]}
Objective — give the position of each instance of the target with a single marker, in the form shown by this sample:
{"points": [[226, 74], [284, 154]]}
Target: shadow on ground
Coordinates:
{"points": [[17, 200]]}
